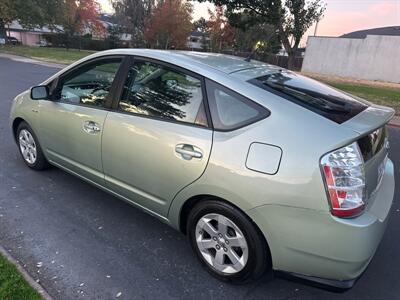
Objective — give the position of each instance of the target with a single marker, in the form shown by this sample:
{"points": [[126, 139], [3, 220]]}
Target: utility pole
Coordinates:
{"points": [[316, 28]]}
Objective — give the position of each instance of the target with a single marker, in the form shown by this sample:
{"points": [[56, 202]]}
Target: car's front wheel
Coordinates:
{"points": [[227, 243], [29, 147]]}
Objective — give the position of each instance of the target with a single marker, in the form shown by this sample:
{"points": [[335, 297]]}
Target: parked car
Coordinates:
{"points": [[262, 168], [44, 43], [2, 40], [13, 41]]}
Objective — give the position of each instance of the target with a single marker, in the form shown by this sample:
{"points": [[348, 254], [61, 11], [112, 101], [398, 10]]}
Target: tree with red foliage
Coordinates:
{"points": [[221, 33], [80, 16], [169, 25]]}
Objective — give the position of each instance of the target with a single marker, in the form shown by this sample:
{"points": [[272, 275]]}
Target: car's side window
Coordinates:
{"points": [[157, 91], [230, 110], [90, 84]]}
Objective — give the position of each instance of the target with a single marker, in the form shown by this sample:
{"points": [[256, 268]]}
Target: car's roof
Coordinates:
{"points": [[225, 63], [230, 71]]}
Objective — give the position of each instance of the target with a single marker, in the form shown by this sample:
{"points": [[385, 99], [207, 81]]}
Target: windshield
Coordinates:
{"points": [[313, 95]]}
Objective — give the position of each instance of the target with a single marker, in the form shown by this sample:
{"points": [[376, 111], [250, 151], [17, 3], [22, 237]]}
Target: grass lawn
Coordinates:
{"points": [[13, 285], [58, 55], [387, 96]]}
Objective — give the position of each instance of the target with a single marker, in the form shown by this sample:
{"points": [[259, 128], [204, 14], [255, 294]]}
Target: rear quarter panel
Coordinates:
{"points": [[303, 137]]}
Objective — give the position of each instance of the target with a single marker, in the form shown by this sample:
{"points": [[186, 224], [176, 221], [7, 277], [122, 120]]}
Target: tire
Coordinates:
{"points": [[252, 258], [29, 148]]}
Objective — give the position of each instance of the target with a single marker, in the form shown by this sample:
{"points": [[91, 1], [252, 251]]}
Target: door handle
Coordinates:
{"points": [[188, 151], [91, 127]]}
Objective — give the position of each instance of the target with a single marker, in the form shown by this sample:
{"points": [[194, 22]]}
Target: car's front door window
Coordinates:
{"points": [[157, 91], [91, 84]]}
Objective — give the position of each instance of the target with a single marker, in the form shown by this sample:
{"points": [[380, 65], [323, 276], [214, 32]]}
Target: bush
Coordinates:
{"points": [[81, 42]]}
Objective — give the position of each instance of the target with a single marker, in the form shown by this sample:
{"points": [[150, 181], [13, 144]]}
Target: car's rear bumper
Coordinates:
{"points": [[316, 245]]}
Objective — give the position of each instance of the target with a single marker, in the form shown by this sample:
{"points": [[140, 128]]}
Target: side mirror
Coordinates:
{"points": [[40, 92]]}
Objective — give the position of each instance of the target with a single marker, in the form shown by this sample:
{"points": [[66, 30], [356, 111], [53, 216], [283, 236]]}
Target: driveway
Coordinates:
{"points": [[83, 243]]}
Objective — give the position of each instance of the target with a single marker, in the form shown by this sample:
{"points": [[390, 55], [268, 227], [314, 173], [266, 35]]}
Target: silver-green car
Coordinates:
{"points": [[261, 167]]}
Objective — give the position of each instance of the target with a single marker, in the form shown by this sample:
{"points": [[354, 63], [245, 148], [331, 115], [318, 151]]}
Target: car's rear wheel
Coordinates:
{"points": [[29, 147], [227, 243]]}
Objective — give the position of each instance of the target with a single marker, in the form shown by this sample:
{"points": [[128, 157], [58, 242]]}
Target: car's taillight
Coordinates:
{"points": [[344, 175]]}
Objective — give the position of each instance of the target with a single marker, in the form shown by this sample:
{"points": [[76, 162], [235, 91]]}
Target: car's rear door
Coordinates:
{"points": [[157, 139], [71, 124]]}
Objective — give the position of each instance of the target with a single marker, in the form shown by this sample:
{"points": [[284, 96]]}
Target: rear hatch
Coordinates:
{"points": [[346, 110]]}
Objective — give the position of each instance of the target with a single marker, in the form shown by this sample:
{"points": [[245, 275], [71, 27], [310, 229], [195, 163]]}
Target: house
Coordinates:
{"points": [[362, 34], [29, 37], [198, 41], [108, 21], [35, 36]]}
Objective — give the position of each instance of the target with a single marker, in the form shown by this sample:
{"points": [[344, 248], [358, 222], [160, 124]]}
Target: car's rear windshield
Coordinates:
{"points": [[311, 94]]}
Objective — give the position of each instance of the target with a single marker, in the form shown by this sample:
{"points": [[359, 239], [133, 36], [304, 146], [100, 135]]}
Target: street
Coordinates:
{"points": [[81, 242]]}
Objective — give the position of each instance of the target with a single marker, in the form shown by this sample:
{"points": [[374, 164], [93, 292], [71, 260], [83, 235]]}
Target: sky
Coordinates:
{"points": [[341, 16]]}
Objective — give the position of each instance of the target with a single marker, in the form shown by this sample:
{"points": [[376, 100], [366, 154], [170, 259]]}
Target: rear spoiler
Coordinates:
{"points": [[370, 119]]}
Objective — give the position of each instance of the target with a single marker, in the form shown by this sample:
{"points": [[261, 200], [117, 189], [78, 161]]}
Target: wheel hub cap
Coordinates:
{"points": [[28, 146], [221, 243]]}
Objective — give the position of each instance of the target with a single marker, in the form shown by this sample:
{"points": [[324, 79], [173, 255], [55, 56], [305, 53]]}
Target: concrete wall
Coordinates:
{"points": [[372, 58]]}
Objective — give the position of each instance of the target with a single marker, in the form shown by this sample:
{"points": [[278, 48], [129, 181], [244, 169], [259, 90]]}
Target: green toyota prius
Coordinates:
{"points": [[262, 168]]}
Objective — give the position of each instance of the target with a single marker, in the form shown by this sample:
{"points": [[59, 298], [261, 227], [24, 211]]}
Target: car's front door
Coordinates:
{"points": [[71, 124], [157, 140]]}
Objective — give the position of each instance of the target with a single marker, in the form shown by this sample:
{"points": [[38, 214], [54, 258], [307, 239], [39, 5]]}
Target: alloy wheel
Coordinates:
{"points": [[28, 146], [221, 243]]}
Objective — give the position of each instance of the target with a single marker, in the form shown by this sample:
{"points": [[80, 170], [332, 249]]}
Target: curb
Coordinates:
{"points": [[395, 122], [32, 60], [26, 275]]}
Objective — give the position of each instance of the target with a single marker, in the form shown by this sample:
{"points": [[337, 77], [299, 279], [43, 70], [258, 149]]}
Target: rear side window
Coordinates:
{"points": [[230, 110], [313, 95]]}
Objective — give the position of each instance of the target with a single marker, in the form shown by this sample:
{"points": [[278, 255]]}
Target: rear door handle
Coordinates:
{"points": [[188, 151], [91, 127]]}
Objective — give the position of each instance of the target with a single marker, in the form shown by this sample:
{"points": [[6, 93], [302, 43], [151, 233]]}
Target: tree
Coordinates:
{"points": [[7, 15], [291, 18], [260, 36], [170, 25], [201, 25], [113, 36], [132, 15], [80, 15], [221, 33], [29, 13], [250, 35]]}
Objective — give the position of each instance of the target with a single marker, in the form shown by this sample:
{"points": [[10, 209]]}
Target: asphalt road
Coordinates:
{"points": [[83, 243]]}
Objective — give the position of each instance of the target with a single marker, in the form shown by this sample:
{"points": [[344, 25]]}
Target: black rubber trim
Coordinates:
{"points": [[327, 284]]}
